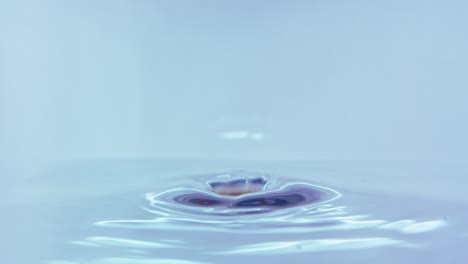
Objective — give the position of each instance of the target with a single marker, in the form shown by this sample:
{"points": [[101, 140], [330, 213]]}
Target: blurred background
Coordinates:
{"points": [[242, 79]]}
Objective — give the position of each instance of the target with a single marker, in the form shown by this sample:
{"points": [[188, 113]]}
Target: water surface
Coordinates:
{"points": [[182, 212]]}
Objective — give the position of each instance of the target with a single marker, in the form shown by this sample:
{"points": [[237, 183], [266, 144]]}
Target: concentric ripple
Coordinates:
{"points": [[242, 214], [242, 202], [255, 203], [240, 194]]}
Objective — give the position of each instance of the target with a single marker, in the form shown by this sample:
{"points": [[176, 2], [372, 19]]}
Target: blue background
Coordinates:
{"points": [[233, 79]]}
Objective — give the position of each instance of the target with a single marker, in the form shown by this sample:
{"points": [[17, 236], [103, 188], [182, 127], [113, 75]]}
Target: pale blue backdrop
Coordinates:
{"points": [[233, 79]]}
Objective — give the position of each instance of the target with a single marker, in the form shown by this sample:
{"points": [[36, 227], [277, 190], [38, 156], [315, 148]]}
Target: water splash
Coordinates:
{"points": [[245, 202], [254, 203], [239, 194]]}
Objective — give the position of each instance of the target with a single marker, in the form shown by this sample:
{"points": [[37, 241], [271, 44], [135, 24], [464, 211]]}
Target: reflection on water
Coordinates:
{"points": [[130, 260], [250, 203], [285, 247], [119, 242]]}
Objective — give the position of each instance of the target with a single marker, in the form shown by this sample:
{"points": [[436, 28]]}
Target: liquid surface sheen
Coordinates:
{"points": [[239, 217]]}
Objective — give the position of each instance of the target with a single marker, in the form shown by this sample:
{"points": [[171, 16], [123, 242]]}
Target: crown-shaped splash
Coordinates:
{"points": [[238, 183]]}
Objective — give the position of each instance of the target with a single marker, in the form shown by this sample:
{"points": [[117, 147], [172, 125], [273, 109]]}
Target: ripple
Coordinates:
{"points": [[255, 203], [413, 227], [249, 204], [127, 243], [288, 247], [240, 194], [129, 260], [241, 202]]}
